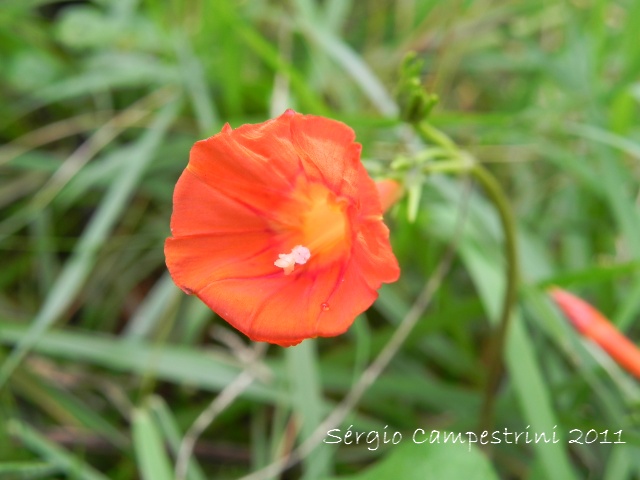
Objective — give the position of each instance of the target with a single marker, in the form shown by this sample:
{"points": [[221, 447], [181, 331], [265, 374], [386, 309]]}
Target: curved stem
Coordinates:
{"points": [[495, 192], [432, 135], [461, 163]]}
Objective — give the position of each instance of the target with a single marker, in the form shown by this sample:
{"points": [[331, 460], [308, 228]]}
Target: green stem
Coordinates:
{"points": [[431, 134], [462, 163], [499, 199]]}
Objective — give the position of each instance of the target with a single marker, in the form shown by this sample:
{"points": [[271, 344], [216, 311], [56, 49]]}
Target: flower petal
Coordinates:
{"points": [[200, 209], [328, 152], [373, 255], [287, 309], [255, 165], [196, 261]]}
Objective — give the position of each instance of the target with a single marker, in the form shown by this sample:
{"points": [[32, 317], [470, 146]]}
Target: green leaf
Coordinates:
{"points": [[442, 461], [74, 466], [28, 470], [153, 462], [180, 364], [306, 392], [85, 27], [169, 427]]}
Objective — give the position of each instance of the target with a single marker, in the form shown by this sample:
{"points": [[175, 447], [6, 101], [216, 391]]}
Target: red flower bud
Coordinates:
{"points": [[595, 326]]}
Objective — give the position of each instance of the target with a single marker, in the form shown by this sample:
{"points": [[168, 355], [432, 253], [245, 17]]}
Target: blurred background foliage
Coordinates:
{"points": [[106, 364]]}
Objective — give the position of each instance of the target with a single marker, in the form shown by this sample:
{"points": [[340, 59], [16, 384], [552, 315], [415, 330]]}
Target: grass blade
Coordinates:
{"points": [[153, 461], [306, 392], [169, 428], [49, 451], [179, 364], [76, 270]]}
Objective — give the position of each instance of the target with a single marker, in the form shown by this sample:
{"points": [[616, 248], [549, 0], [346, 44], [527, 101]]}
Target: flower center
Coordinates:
{"points": [[324, 223], [317, 221]]}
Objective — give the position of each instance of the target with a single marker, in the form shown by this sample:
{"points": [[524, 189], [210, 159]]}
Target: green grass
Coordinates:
{"points": [[105, 364]]}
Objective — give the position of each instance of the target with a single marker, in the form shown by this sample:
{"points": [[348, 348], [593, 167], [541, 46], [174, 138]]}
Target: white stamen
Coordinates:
{"points": [[300, 254], [287, 261]]}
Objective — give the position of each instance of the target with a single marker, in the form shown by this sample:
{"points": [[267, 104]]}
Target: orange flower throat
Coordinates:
{"points": [[321, 226], [324, 223]]}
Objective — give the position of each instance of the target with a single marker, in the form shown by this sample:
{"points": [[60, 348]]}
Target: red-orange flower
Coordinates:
{"points": [[278, 228]]}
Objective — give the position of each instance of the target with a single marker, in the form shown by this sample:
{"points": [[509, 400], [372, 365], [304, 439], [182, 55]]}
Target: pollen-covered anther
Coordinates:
{"points": [[287, 261]]}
